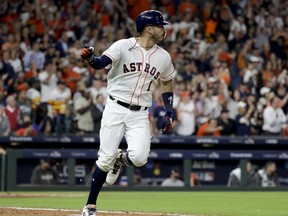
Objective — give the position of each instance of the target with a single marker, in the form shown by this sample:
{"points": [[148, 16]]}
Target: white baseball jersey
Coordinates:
{"points": [[134, 72]]}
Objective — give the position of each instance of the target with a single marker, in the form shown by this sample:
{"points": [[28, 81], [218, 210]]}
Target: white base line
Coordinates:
{"points": [[76, 211]]}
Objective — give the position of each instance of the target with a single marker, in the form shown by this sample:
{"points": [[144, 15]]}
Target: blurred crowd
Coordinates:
{"points": [[231, 57]]}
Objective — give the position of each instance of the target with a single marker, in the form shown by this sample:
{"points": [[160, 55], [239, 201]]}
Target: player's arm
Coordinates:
{"points": [[167, 97], [95, 62]]}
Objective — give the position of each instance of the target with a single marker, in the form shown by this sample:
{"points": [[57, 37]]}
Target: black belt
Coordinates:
{"points": [[131, 107]]}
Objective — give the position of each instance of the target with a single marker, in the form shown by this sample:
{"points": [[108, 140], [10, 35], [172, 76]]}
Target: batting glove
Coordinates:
{"points": [[166, 124], [87, 52]]}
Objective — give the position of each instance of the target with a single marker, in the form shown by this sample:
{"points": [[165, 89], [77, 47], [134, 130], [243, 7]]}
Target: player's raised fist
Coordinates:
{"points": [[87, 52]]}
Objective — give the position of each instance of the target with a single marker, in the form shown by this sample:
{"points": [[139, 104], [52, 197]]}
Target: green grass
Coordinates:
{"points": [[202, 203]]}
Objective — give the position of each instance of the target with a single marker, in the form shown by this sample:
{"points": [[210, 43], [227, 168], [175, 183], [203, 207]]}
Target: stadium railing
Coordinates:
{"points": [[185, 149]]}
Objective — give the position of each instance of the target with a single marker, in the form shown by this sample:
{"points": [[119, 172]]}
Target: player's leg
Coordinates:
{"points": [[137, 134], [138, 137], [111, 133]]}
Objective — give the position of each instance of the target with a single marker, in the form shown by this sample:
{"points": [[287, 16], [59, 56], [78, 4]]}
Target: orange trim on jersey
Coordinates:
{"points": [[141, 89], [167, 76], [146, 75], [132, 41], [108, 55], [138, 77]]}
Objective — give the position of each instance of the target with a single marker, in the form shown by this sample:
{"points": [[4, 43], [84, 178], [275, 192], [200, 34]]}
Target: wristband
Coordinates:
{"points": [[168, 103]]}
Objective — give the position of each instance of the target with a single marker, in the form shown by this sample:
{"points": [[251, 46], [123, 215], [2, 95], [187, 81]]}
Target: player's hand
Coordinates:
{"points": [[87, 52], [166, 124]]}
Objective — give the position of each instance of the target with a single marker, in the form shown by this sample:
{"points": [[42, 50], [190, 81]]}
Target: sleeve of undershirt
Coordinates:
{"points": [[100, 62]]}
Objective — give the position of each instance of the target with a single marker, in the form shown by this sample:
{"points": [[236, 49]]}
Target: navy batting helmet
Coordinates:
{"points": [[149, 18]]}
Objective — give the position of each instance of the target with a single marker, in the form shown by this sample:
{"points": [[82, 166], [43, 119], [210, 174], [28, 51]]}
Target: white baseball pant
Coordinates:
{"points": [[118, 121]]}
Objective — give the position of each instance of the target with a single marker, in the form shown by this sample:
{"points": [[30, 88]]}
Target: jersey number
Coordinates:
{"points": [[148, 89]]}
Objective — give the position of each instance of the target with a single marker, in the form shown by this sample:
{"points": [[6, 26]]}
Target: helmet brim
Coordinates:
{"points": [[166, 23]]}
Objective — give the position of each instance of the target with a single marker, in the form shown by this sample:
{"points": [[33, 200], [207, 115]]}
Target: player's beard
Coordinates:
{"points": [[159, 39]]}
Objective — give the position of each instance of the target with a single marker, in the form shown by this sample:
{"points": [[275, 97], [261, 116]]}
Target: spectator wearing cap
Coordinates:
{"points": [[251, 73], [227, 124], [43, 174], [243, 124], [274, 119], [265, 95], [187, 115]]}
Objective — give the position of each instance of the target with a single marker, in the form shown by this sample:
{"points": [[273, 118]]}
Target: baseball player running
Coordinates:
{"points": [[136, 66]]}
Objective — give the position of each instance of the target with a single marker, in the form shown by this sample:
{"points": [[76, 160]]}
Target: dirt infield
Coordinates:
{"points": [[54, 212], [29, 212], [12, 211]]}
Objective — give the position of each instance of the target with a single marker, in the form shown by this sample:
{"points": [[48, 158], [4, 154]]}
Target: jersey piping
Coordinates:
{"points": [[131, 99], [163, 78], [138, 98]]}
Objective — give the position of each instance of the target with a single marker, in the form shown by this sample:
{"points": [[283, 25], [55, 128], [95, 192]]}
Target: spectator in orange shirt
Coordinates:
{"points": [[209, 128]]}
